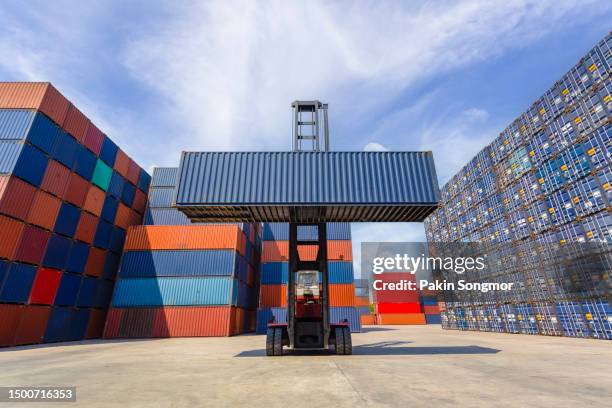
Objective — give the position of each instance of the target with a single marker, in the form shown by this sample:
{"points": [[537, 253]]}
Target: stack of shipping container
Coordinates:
{"points": [[398, 307], [275, 273], [180, 280], [363, 303], [545, 180], [67, 196]]}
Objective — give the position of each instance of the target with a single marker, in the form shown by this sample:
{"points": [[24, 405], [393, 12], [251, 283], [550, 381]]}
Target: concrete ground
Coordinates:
{"points": [[411, 366]]}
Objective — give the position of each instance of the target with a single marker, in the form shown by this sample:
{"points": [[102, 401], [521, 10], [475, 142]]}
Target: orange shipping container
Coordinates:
{"points": [[11, 231], [401, 318], [34, 95], [273, 296], [16, 199], [94, 200], [44, 210], [367, 320], [362, 301], [122, 162], [76, 123], [184, 237], [86, 229], [140, 201], [342, 294], [56, 179], [278, 251], [95, 262], [431, 309], [122, 218], [190, 321]]}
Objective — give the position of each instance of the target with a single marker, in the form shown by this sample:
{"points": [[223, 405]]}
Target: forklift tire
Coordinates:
{"points": [[278, 341], [339, 340], [348, 342], [270, 341]]}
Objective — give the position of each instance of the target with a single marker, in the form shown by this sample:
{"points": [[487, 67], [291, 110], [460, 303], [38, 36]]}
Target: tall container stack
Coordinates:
{"points": [[546, 180], [398, 307], [180, 280], [275, 273], [67, 196], [363, 303]]}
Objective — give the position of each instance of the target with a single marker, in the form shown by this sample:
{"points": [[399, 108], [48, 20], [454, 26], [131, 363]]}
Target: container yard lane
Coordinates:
{"points": [[418, 366]]}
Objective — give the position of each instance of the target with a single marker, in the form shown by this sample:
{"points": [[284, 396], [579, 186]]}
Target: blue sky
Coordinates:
{"points": [[160, 77]]}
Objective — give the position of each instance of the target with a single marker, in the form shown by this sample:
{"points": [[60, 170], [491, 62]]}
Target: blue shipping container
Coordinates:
{"points": [[9, 154], [58, 328], [337, 314], [58, 250], [164, 177], [149, 264], [108, 152], [350, 186], [68, 290], [264, 316], [173, 292], [165, 216], [161, 197], [67, 220], [31, 165], [18, 283]]}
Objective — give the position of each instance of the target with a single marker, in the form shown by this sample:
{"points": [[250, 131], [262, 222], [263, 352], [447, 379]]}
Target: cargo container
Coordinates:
{"points": [[548, 181], [49, 216]]}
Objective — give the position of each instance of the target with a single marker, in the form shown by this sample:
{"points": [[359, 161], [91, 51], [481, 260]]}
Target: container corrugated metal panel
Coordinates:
{"points": [[433, 319], [276, 273], [328, 186], [192, 322], [11, 234], [161, 197], [338, 314], [9, 154], [278, 251], [272, 296], [32, 326], [401, 318], [164, 177], [10, 315], [183, 237], [264, 316], [172, 292], [279, 231], [34, 95], [165, 216], [341, 295], [179, 263], [15, 123]]}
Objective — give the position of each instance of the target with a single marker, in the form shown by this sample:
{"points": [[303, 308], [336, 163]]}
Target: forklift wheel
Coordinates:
{"points": [[339, 340], [348, 342], [270, 341], [278, 341]]}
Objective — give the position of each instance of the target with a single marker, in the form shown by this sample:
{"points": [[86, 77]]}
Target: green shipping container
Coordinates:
{"points": [[102, 175]]}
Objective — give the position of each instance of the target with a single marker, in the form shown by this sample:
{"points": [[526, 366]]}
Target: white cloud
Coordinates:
{"points": [[374, 147], [476, 114]]}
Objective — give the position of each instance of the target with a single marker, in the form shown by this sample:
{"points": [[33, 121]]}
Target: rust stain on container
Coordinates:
{"points": [[34, 95], [183, 237], [11, 231], [45, 208]]}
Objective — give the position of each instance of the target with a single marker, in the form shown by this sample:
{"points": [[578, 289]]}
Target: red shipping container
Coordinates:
{"points": [[122, 163], [122, 219], [95, 327], [111, 327], [431, 310], [32, 325], [95, 262], [398, 308], [140, 201], [11, 231], [56, 179], [77, 190], [76, 123], [86, 230], [44, 210], [135, 218], [93, 138], [34, 95], [192, 321], [32, 245], [10, 316], [45, 286], [17, 198], [393, 295], [133, 172]]}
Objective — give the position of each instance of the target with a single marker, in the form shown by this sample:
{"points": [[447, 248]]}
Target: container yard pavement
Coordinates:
{"points": [[392, 366]]}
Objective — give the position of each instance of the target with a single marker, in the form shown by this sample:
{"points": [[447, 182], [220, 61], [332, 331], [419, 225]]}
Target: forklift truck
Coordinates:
{"points": [[308, 324]]}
